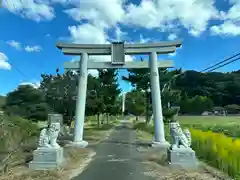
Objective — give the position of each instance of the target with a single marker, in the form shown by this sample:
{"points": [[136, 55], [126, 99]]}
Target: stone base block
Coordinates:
{"points": [[47, 158], [182, 157], [164, 145], [78, 144]]}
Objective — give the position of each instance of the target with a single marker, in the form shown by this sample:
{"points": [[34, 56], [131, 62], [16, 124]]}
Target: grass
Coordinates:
{"points": [[220, 120], [228, 125]]}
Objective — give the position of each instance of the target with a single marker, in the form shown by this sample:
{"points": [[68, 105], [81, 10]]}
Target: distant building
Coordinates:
{"points": [[205, 113], [220, 111]]}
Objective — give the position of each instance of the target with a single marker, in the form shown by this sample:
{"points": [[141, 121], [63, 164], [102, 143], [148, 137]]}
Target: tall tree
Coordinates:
{"points": [[61, 92], [140, 79], [94, 102], [109, 90], [135, 103]]}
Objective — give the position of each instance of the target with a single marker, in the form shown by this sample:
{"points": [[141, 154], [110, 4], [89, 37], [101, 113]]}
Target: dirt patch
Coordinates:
{"points": [[75, 162]]}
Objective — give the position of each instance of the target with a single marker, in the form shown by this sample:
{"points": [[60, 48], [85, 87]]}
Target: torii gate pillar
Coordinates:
{"points": [[159, 137], [81, 102]]}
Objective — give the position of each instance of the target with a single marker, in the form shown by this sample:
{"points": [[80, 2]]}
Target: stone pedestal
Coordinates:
{"points": [[47, 158], [162, 145], [78, 144], [182, 157]]}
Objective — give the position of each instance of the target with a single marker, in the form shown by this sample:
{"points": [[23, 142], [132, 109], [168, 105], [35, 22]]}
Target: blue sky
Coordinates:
{"points": [[210, 31]]}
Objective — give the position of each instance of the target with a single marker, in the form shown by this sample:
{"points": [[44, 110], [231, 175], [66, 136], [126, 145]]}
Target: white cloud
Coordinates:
{"points": [[33, 84], [104, 13], [234, 11], [4, 62], [231, 21], [36, 48], [93, 72], [87, 34], [36, 10], [172, 36], [143, 39], [120, 34], [191, 14], [14, 44], [27, 48], [228, 28], [173, 54]]}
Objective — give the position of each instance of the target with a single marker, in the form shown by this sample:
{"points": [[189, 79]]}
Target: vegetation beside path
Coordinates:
{"points": [[17, 163], [155, 161]]}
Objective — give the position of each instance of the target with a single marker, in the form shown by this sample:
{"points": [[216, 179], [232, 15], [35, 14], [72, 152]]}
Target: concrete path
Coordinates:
{"points": [[116, 159]]}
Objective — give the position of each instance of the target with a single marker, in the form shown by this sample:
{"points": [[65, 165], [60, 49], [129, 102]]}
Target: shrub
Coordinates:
{"points": [[14, 131], [218, 149]]}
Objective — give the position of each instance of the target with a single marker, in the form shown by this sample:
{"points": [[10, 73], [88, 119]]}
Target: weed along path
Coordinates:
{"points": [[117, 158]]}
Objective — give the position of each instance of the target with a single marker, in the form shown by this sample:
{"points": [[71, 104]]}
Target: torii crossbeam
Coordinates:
{"points": [[118, 51]]}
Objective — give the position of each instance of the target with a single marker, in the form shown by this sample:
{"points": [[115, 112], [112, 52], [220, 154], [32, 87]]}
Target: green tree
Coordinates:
{"points": [[94, 103], [140, 79], [135, 103], [109, 91], [221, 88], [60, 93], [2, 101], [232, 109], [28, 102], [196, 105]]}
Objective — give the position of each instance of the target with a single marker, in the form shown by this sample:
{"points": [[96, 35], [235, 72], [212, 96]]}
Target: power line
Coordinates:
{"points": [[213, 66], [20, 72], [224, 64]]}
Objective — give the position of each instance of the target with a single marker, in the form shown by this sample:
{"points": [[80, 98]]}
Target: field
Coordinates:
{"points": [[211, 120]]}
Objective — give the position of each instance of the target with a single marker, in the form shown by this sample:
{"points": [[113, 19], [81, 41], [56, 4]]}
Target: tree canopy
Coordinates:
{"points": [[192, 91]]}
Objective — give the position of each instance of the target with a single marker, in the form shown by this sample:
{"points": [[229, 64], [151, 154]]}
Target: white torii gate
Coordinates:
{"points": [[118, 51]]}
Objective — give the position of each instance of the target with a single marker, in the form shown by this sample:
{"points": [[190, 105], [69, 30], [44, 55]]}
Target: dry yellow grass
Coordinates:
{"points": [[76, 160]]}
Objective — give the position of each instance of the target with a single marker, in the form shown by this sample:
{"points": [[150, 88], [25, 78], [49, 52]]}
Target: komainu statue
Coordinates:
{"points": [[48, 137], [181, 139], [44, 138]]}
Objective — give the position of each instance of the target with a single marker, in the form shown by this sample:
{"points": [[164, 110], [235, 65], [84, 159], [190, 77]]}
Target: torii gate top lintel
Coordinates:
{"points": [[176, 43], [129, 49], [118, 50]]}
